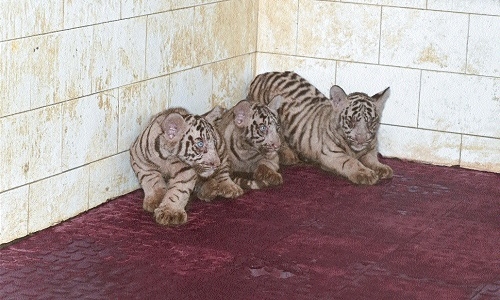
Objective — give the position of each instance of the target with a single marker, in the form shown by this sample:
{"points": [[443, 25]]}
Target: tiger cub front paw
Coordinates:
{"points": [[170, 216], [384, 172], [364, 177], [151, 202], [229, 189], [267, 175], [288, 157]]}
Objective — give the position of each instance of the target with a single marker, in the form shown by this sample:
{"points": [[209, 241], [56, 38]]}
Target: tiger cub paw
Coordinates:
{"points": [[229, 189], [169, 216], [364, 177], [208, 191], [267, 175], [288, 157], [151, 202], [384, 172]]}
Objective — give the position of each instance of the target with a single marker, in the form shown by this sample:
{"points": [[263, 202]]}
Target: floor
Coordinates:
{"points": [[429, 233]]}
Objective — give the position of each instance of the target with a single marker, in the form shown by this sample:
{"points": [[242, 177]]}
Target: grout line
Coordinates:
{"points": [[419, 96]]}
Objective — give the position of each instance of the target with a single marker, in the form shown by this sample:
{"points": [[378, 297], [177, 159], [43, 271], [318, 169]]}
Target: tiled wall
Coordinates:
{"points": [[80, 79], [441, 59]]}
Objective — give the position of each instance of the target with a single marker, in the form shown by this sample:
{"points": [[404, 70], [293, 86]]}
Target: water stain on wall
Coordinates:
{"points": [[431, 55]]}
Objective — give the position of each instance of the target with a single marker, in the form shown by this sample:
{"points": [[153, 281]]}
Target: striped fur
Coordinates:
{"points": [[339, 134], [176, 151], [250, 130]]}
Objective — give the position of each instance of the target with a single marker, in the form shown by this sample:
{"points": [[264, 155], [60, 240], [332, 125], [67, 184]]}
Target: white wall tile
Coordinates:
{"points": [[111, 177], [399, 3], [58, 198], [45, 134], [483, 53], [14, 151], [138, 103], [402, 106], [170, 43], [460, 103], [29, 17], [233, 24], [488, 7], [13, 214], [424, 39], [192, 89], [319, 72], [433, 147], [343, 31], [119, 53], [231, 79], [15, 78], [82, 13], [480, 153], [133, 8], [277, 32], [90, 129]]}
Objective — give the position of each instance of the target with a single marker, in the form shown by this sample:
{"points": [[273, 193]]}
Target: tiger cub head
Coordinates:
{"points": [[193, 140], [259, 124], [359, 115]]}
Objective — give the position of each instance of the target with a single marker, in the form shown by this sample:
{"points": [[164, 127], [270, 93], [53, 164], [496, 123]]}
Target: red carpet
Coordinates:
{"points": [[429, 233]]}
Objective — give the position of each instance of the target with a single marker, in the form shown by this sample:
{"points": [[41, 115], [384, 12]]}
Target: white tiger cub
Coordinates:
{"points": [[251, 132], [176, 151]]}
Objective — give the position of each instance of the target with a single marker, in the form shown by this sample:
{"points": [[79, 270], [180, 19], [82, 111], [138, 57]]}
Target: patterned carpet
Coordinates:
{"points": [[429, 233]]}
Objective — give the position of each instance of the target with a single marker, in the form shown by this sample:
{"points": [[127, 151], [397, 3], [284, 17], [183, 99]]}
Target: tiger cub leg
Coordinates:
{"points": [[267, 173], [219, 184], [349, 167], [171, 210], [287, 156], [371, 161], [155, 188]]}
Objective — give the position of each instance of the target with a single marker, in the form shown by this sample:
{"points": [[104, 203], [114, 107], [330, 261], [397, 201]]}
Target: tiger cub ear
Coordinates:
{"points": [[173, 127], [242, 113], [337, 96], [381, 97], [275, 103]]}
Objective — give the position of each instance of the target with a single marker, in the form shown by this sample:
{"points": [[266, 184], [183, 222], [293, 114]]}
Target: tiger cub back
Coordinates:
{"points": [[339, 133], [251, 132], [174, 152]]}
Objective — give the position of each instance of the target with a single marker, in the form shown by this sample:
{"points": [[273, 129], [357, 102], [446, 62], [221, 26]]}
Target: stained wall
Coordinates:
{"points": [[441, 59], [80, 79]]}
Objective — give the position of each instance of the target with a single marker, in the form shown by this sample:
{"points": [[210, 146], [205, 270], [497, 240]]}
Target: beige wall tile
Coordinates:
{"points": [[277, 30], [489, 7], [402, 106], [231, 23], [111, 177], [45, 134], [319, 72], [133, 8], [13, 214], [82, 13], [480, 153], [340, 31], [231, 78], [440, 148], [58, 198], [192, 89], [119, 53], [483, 53], [29, 17], [14, 151], [460, 103], [90, 129], [424, 39], [170, 44], [138, 103]]}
